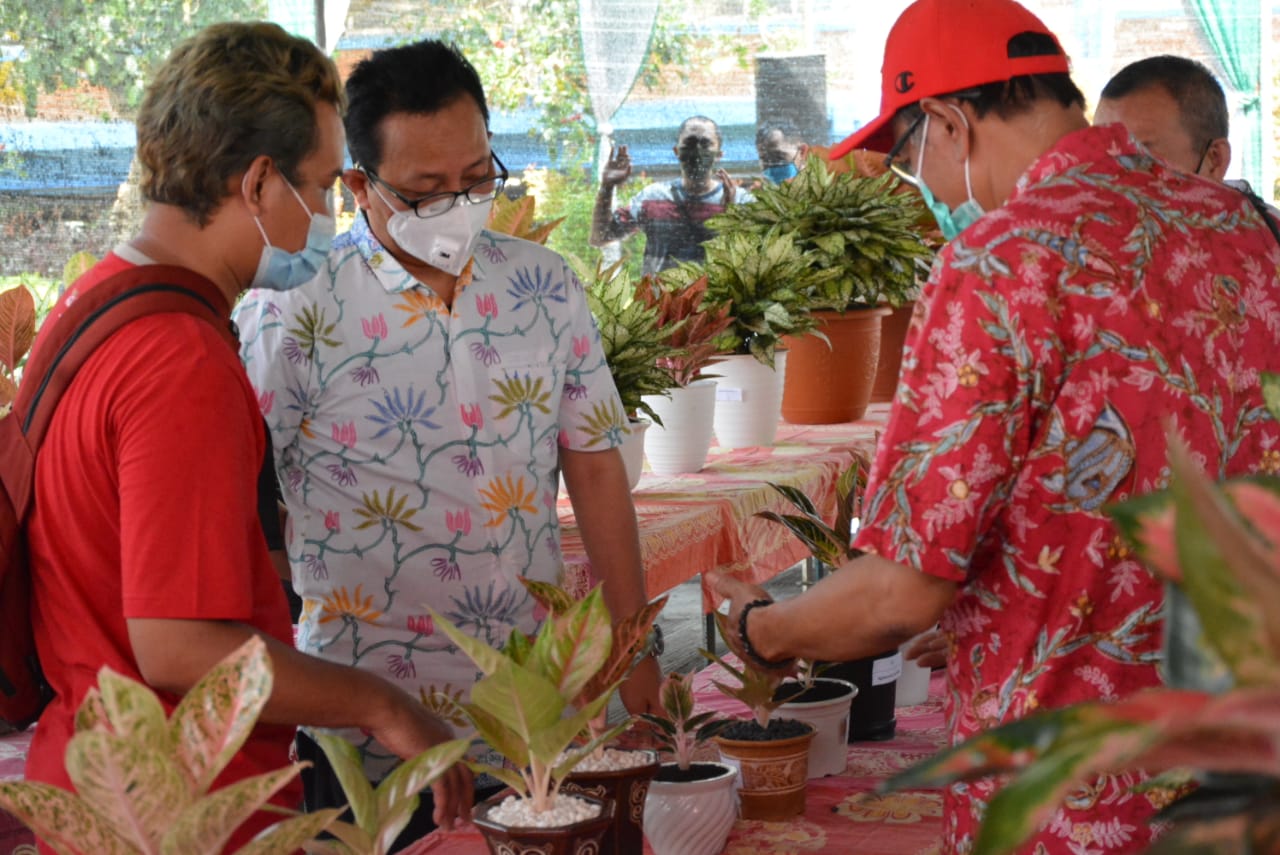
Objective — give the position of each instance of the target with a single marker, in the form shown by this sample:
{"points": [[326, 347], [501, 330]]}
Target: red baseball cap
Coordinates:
{"points": [[942, 46]]}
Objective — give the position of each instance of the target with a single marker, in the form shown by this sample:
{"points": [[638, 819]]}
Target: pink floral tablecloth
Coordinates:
{"points": [[704, 522], [842, 812]]}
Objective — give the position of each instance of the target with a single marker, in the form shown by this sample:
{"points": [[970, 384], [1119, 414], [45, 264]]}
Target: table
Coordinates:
{"points": [[15, 839], [842, 813], [705, 521]]}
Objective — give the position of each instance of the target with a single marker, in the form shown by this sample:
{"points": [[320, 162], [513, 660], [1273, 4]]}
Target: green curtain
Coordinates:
{"points": [[1234, 28]]}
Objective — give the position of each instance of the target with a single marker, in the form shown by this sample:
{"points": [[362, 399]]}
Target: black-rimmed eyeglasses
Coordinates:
{"points": [[435, 204], [891, 159]]}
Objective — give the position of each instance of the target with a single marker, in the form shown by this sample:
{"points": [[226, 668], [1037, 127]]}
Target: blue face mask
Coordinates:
{"points": [[950, 222], [781, 172], [279, 270]]}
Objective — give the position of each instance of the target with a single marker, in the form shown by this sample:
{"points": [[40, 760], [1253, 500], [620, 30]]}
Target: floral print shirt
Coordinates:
{"points": [[417, 448], [1058, 336]]}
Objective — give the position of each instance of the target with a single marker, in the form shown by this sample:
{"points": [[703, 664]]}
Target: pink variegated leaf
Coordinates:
{"points": [[573, 646], [1259, 503], [1147, 523], [61, 820]]}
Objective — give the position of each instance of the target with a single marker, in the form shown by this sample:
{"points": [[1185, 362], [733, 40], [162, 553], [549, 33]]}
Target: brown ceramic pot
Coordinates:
{"points": [[893, 335], [581, 838], [772, 774], [830, 383], [627, 789]]}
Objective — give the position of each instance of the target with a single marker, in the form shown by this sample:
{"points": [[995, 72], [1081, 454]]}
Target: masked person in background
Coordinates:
{"points": [[423, 392], [672, 214], [781, 153]]}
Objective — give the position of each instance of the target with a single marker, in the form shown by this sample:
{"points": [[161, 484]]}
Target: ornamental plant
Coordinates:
{"points": [[516, 217], [629, 637], [830, 544], [634, 343], [143, 780], [691, 328], [677, 728], [1220, 545], [766, 283], [523, 706], [862, 229], [756, 686]]}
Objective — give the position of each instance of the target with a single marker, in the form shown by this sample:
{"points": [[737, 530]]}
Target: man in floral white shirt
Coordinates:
{"points": [[1090, 297], [421, 393]]}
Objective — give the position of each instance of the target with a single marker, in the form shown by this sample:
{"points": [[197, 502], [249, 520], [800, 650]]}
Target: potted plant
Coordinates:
{"points": [[691, 806], [772, 754], [611, 773], [144, 779], [766, 282], [875, 677], [633, 344], [523, 708], [681, 436], [1214, 753], [864, 231], [825, 703]]}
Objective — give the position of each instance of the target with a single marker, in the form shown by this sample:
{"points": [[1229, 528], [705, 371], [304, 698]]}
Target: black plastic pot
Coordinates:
{"points": [[871, 718]]}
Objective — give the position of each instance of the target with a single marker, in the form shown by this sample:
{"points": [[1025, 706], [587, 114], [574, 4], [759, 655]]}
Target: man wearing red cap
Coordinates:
{"points": [[1090, 297]]}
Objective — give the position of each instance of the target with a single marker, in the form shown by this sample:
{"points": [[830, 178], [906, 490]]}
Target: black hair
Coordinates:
{"points": [[1202, 105], [423, 77], [709, 121], [1009, 98], [786, 129]]}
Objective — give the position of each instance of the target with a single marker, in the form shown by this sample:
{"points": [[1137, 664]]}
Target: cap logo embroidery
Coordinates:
{"points": [[904, 82]]}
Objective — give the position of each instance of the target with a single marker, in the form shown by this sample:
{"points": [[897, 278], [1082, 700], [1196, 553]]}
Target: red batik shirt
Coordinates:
{"points": [[1057, 337]]}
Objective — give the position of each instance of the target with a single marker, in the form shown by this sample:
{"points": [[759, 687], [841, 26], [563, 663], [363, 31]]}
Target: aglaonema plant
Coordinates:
{"points": [[523, 707], [756, 686], [628, 642], [678, 728], [1221, 546], [832, 544], [143, 779]]}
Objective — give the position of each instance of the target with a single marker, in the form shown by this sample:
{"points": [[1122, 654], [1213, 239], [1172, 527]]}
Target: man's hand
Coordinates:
{"points": [[739, 593], [928, 649], [730, 186], [640, 690], [413, 730], [618, 168]]}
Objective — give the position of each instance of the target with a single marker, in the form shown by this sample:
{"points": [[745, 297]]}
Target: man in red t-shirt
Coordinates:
{"points": [[1090, 296], [146, 548]]}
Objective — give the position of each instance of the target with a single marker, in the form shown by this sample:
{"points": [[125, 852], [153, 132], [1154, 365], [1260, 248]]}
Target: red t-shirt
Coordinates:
{"points": [[146, 507]]}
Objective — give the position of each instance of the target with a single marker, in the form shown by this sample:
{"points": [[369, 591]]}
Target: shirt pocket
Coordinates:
{"points": [[522, 406]]}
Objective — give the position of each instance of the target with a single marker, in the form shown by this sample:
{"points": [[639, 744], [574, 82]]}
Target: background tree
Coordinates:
{"points": [[114, 44]]}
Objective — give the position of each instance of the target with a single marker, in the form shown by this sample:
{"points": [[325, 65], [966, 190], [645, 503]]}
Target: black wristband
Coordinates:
{"points": [[747, 648]]}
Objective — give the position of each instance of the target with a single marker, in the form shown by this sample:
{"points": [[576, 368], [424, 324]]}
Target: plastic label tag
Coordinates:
{"points": [[728, 394], [886, 670]]}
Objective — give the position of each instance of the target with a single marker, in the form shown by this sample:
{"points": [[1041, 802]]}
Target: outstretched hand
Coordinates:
{"points": [[739, 593], [617, 168], [928, 649], [730, 186]]}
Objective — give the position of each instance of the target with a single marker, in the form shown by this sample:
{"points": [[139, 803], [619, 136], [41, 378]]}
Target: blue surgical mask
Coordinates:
{"points": [[279, 270], [780, 173], [950, 222]]}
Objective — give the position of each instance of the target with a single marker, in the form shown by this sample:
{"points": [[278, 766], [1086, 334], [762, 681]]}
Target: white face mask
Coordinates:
{"points": [[445, 241]]}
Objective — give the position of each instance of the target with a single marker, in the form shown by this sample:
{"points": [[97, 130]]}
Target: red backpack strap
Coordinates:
{"points": [[63, 345]]}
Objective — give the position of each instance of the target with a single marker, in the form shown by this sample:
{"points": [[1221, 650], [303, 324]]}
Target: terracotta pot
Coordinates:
{"points": [[830, 383], [691, 817], [581, 838], [772, 772], [627, 789], [893, 335]]}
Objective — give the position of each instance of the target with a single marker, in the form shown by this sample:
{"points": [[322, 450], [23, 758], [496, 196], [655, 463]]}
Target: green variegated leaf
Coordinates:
{"points": [[1226, 575], [1271, 393], [290, 834], [351, 839], [136, 786], [207, 825], [349, 770], [799, 498], [216, 716], [486, 658], [414, 775], [815, 535], [522, 700], [510, 777], [133, 710], [552, 597], [629, 638], [549, 743], [573, 646], [61, 820], [518, 647], [92, 714], [498, 736]]}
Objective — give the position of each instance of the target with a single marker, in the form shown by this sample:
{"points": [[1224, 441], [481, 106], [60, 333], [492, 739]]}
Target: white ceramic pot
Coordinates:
{"points": [[633, 450], [748, 400], [828, 752], [681, 442], [913, 684], [691, 817]]}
